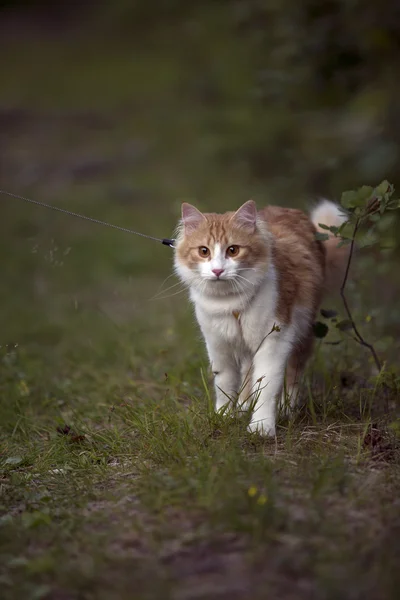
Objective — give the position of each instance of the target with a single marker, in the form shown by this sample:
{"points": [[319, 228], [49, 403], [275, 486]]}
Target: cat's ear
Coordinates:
{"points": [[246, 216], [191, 217]]}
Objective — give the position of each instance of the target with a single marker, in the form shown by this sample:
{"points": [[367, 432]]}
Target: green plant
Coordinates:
{"points": [[366, 207]]}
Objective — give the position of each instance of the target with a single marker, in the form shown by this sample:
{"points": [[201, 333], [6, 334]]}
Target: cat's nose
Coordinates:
{"points": [[218, 272]]}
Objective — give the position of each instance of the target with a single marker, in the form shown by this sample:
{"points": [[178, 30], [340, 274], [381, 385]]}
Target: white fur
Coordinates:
{"points": [[327, 213], [218, 261]]}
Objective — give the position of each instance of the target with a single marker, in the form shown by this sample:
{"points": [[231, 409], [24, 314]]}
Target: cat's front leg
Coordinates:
{"points": [[225, 371], [268, 375], [219, 338]]}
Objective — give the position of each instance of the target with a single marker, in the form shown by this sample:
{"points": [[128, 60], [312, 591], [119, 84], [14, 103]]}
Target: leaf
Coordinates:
{"points": [[347, 230], [393, 205], [344, 242], [384, 188], [374, 218], [367, 241], [320, 329], [349, 199], [365, 192], [321, 237], [328, 313], [13, 460], [344, 325], [323, 226], [357, 198], [35, 518]]}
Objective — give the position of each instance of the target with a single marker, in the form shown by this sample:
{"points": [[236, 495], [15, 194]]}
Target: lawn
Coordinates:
{"points": [[117, 478]]}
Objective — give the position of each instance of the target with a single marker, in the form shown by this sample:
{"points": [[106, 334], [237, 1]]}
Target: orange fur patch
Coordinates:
{"points": [[216, 228], [298, 257]]}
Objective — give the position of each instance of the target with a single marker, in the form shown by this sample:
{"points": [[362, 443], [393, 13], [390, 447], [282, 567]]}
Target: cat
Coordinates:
{"points": [[256, 279]]}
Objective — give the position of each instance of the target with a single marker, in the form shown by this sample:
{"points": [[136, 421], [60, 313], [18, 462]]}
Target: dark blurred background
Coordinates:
{"points": [[121, 110], [288, 96]]}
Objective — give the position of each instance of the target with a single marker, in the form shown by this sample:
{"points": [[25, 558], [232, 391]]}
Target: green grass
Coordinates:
{"points": [[150, 494]]}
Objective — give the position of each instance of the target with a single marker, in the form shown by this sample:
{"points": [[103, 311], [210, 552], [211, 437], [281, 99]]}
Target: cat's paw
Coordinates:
{"points": [[264, 427]]}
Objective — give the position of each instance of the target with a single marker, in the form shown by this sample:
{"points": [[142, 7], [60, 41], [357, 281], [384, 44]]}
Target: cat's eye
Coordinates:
{"points": [[233, 251], [204, 251]]}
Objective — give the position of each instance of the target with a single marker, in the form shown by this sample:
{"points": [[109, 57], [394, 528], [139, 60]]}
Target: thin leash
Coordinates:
{"points": [[165, 241]]}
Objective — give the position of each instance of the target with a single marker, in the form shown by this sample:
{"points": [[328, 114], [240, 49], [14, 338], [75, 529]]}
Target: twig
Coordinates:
{"points": [[358, 335]]}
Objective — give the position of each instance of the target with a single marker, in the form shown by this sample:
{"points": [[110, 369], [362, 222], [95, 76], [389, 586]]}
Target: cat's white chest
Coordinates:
{"points": [[242, 326], [231, 328], [255, 323], [224, 325]]}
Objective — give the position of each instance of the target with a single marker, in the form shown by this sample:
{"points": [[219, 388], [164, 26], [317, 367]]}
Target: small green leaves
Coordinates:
{"points": [[352, 199], [332, 228], [347, 230], [360, 201], [343, 242], [366, 241], [393, 205], [384, 188], [320, 329], [349, 199], [365, 192], [321, 237]]}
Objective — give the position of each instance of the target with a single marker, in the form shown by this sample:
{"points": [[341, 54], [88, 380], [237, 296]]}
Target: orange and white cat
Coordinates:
{"points": [[256, 279]]}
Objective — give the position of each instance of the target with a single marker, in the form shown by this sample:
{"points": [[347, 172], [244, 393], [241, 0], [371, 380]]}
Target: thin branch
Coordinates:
{"points": [[358, 335]]}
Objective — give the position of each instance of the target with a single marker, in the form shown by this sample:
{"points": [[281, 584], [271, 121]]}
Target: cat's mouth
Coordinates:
{"points": [[219, 279]]}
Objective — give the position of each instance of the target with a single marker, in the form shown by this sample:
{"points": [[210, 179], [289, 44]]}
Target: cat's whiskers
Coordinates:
{"points": [[241, 292], [242, 285], [245, 279], [251, 269], [160, 289], [163, 291], [160, 296], [169, 295]]}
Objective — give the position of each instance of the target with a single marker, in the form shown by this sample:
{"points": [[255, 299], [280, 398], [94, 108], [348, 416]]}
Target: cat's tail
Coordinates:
{"points": [[330, 214]]}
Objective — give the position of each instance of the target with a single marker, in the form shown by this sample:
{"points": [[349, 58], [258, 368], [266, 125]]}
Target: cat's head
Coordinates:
{"points": [[222, 253]]}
